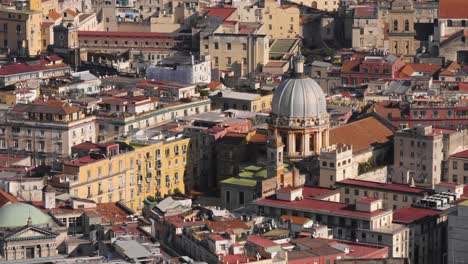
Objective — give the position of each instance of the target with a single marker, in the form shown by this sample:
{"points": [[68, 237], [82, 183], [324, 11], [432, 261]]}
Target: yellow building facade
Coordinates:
{"points": [[281, 21], [325, 5], [154, 169], [20, 30]]}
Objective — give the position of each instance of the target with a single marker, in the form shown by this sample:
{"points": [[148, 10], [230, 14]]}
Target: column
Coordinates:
{"points": [[307, 144], [319, 140], [291, 141]]}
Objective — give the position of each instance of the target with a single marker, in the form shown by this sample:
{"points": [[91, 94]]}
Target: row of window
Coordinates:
{"points": [[455, 165], [228, 46], [126, 43], [229, 61], [332, 164], [376, 195]]}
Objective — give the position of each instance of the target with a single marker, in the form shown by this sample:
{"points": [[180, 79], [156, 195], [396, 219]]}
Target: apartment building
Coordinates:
{"points": [[418, 156], [45, 68], [458, 168], [177, 15], [235, 47], [428, 233], [394, 196], [281, 21], [116, 119], [253, 102], [359, 70], [46, 130], [150, 47], [181, 69], [21, 30], [457, 234], [127, 172], [367, 28], [367, 221]]}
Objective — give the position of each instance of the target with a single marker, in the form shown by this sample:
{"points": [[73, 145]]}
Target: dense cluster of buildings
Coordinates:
{"points": [[234, 131]]}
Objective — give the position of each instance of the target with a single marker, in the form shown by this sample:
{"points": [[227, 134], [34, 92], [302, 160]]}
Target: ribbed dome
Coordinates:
{"points": [[17, 214], [299, 97]]}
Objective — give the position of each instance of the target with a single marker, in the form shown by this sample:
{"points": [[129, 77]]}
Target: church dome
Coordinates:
{"points": [[299, 97], [17, 214]]}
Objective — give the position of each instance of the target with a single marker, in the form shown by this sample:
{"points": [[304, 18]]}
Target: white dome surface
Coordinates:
{"points": [[299, 97]]}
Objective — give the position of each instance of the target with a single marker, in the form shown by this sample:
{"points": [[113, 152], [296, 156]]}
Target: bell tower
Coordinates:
{"points": [[275, 153]]}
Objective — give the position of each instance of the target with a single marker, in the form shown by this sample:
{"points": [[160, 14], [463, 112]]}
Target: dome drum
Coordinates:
{"points": [[299, 122], [299, 115]]}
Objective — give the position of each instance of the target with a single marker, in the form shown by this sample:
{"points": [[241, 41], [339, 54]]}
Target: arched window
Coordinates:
{"points": [[395, 25], [314, 4], [406, 25], [449, 23]]}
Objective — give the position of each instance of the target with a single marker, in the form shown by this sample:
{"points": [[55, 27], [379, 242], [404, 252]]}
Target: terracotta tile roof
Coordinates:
{"points": [[365, 11], [18, 68], [295, 219], [259, 138], [6, 198], [451, 69], [385, 110], [45, 108], [275, 64], [71, 12], [54, 15], [362, 134], [223, 226], [383, 186], [409, 69], [214, 85], [47, 24], [222, 12], [312, 192], [111, 212], [453, 9], [260, 241], [462, 154], [410, 214]]}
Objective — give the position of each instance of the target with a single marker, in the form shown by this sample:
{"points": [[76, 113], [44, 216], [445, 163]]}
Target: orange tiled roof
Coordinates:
{"points": [[223, 226], [362, 134], [71, 12], [451, 69], [409, 69], [295, 219], [259, 138], [384, 110], [214, 85], [6, 198], [54, 15], [453, 9]]}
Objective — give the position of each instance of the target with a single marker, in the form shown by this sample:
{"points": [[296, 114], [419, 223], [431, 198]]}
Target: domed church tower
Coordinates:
{"points": [[299, 114]]}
